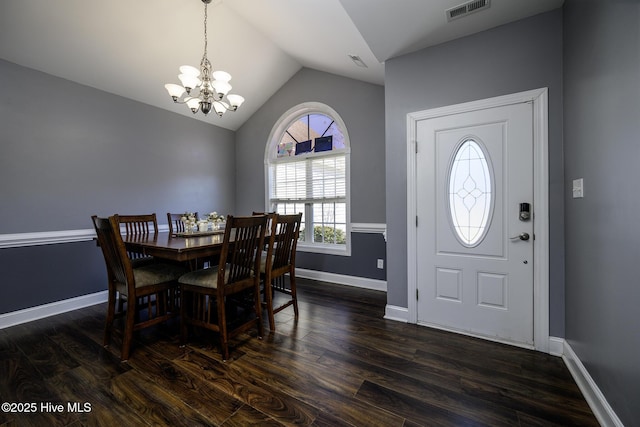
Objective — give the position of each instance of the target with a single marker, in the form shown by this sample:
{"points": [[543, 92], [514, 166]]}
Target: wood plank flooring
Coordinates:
{"points": [[340, 364]]}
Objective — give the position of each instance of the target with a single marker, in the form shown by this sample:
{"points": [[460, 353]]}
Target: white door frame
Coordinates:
{"points": [[539, 99]]}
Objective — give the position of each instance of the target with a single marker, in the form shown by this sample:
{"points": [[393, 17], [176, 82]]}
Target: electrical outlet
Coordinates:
{"points": [[578, 188], [380, 263]]}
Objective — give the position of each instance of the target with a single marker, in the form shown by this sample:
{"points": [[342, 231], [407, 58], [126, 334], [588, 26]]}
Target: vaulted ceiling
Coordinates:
{"points": [[133, 47]]}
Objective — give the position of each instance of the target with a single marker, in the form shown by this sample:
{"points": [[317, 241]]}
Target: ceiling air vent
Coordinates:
{"points": [[467, 8]]}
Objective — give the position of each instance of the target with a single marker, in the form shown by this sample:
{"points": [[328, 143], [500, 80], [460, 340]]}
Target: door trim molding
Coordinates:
{"points": [[539, 99]]}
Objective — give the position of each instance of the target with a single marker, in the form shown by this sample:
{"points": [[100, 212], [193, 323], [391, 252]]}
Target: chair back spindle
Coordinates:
{"points": [[137, 225], [244, 238], [175, 222]]}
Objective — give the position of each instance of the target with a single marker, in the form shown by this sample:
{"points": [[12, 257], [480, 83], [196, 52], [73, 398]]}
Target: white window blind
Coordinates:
{"points": [[309, 180]]}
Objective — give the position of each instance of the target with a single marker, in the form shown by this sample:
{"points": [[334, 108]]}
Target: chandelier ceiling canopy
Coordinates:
{"points": [[203, 89]]}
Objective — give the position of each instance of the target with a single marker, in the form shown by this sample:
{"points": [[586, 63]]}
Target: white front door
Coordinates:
{"points": [[475, 243]]}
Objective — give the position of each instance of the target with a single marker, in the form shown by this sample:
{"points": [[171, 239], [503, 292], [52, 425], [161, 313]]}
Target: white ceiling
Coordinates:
{"points": [[133, 47]]}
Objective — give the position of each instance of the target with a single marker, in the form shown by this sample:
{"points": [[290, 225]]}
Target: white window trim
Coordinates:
{"points": [[270, 156]]}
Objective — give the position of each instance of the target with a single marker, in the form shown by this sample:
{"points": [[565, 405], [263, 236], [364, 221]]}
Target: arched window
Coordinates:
{"points": [[307, 168]]}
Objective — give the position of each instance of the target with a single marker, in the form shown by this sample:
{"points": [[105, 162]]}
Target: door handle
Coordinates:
{"points": [[521, 236]]}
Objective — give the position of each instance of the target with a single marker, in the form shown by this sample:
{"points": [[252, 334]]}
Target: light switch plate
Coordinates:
{"points": [[578, 188]]}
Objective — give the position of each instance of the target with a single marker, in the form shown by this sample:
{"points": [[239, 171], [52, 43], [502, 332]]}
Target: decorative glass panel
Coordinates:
{"points": [[470, 193], [308, 128]]}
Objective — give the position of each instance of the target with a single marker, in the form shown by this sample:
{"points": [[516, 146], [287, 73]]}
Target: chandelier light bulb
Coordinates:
{"points": [[204, 88], [235, 101], [189, 81], [189, 70], [222, 76], [194, 104], [220, 107], [175, 91], [221, 88]]}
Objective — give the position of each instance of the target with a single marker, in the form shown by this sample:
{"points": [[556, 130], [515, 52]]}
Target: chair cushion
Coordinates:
{"points": [[153, 274], [205, 278]]}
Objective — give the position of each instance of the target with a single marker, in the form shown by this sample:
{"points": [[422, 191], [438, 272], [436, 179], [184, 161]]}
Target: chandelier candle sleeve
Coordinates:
{"points": [[204, 88]]}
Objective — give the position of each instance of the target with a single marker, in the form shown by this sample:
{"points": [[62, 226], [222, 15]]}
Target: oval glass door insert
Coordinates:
{"points": [[470, 193]]}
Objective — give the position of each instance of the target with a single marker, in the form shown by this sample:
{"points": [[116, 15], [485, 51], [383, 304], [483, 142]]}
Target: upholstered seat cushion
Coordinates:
{"points": [[154, 274], [206, 278]]}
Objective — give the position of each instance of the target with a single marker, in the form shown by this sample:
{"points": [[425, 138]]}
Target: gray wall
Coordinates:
{"points": [[512, 58], [37, 275], [602, 145], [68, 151], [361, 106], [366, 249]]}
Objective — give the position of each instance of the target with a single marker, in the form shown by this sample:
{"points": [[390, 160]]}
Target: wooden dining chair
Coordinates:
{"points": [[175, 222], [226, 298], [150, 290], [280, 261], [138, 225]]}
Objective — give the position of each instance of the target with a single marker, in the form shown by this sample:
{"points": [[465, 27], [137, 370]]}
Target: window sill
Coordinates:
{"points": [[344, 250]]}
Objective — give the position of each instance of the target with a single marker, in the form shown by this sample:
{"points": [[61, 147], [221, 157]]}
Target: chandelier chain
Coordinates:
{"points": [[205, 29]]}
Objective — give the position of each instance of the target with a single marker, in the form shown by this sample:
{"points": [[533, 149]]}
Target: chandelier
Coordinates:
{"points": [[204, 89]]}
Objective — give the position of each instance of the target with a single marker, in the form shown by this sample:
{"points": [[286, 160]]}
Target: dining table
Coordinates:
{"points": [[176, 247]]}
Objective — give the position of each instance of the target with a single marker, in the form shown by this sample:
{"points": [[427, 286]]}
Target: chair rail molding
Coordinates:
{"points": [[20, 240], [367, 227]]}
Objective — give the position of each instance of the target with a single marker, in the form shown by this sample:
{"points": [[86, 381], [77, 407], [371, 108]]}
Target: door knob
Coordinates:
{"points": [[521, 236]]}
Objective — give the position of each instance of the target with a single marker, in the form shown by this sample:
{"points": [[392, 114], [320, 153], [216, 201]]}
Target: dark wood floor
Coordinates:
{"points": [[341, 364]]}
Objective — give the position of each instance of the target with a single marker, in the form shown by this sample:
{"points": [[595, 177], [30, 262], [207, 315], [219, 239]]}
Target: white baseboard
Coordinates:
{"points": [[556, 346], [592, 394], [51, 309], [341, 279], [394, 312]]}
